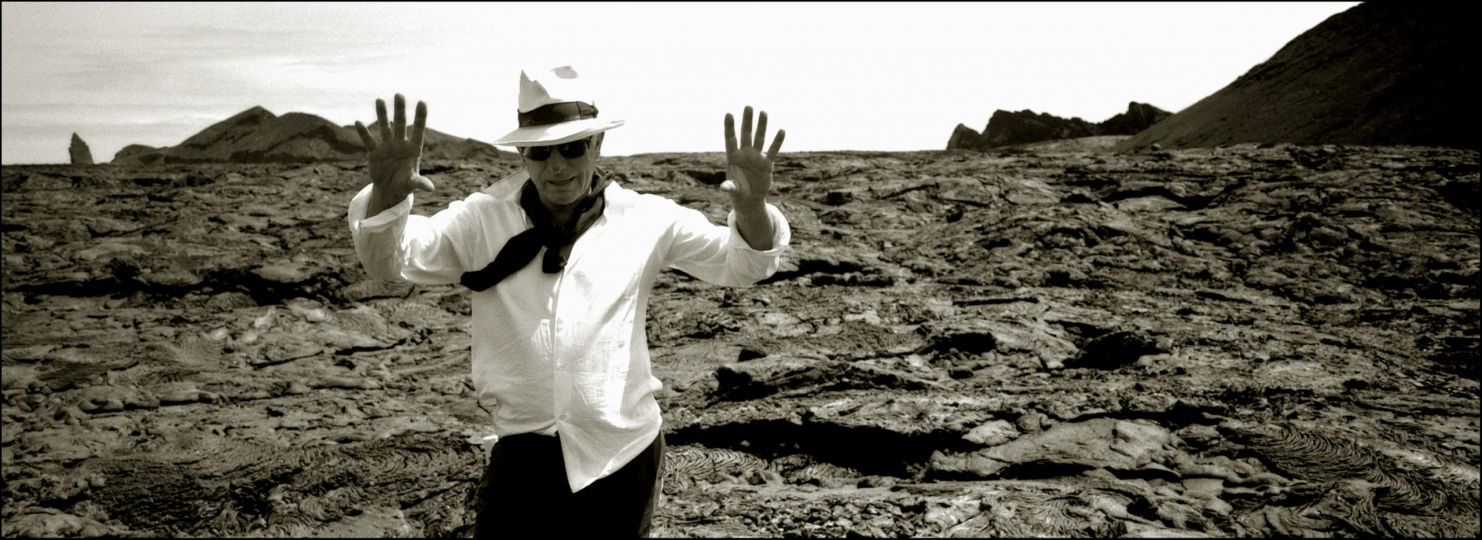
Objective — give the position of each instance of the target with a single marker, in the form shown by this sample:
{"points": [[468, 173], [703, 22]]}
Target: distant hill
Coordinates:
{"points": [[1006, 128], [1381, 73], [258, 136]]}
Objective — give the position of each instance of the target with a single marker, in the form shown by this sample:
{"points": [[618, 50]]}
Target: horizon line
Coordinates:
{"points": [[637, 154]]}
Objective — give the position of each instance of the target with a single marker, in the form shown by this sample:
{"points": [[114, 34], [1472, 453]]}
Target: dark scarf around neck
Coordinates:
{"points": [[522, 248]]}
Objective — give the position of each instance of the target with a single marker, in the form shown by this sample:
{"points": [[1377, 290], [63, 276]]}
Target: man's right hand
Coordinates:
{"points": [[393, 161]]}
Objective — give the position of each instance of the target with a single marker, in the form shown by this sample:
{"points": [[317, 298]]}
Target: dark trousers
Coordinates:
{"points": [[524, 493]]}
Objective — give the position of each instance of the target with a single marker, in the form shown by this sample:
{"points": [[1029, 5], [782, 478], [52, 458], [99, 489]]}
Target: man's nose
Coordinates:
{"points": [[557, 162]]}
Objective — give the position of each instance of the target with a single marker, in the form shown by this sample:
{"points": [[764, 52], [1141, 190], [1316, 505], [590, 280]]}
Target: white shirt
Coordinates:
{"points": [[567, 351]]}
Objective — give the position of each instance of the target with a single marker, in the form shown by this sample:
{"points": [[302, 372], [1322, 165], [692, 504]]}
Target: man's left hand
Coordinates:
{"points": [[748, 172]]}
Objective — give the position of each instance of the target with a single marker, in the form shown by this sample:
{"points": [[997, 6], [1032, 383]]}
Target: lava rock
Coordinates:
{"points": [[1115, 349]]}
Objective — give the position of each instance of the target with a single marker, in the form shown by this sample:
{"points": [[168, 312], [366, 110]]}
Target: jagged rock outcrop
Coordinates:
{"points": [[1007, 128], [1010, 128], [256, 135], [79, 152], [1139, 116], [1381, 73]]}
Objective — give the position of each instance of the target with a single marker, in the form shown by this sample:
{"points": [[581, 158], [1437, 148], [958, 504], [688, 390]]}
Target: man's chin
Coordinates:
{"points": [[562, 197]]}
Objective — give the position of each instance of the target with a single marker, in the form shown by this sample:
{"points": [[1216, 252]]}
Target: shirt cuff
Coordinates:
{"points": [[379, 222], [781, 233]]}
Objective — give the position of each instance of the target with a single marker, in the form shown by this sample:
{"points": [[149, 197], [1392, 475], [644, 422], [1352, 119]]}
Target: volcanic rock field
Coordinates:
{"points": [[1053, 340]]}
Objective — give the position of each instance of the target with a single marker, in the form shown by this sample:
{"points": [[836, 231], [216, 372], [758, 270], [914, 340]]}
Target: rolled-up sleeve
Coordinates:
{"points": [[719, 255], [397, 245]]}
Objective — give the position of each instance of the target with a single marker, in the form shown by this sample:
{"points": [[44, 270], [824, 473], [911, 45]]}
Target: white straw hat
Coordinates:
{"points": [[555, 107]]}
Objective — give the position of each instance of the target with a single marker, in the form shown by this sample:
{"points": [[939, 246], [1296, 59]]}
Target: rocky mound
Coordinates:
{"points": [[1382, 73], [1007, 128], [1249, 341], [138, 154], [258, 136]]}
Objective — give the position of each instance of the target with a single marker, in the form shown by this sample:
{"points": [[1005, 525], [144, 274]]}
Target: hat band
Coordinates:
{"points": [[557, 113]]}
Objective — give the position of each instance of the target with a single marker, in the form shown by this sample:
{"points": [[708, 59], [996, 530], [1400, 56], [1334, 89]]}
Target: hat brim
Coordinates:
{"points": [[556, 133]]}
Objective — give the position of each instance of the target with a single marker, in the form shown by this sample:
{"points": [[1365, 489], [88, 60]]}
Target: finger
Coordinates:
{"points": [[423, 183], [776, 145], [381, 120], [761, 130], [419, 125], [728, 186], [365, 136], [399, 126], [730, 135], [746, 127]]}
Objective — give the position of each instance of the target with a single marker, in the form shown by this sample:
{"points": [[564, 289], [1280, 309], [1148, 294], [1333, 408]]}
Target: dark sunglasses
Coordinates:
{"points": [[570, 150]]}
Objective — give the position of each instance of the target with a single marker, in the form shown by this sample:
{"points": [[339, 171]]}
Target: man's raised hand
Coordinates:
{"points": [[393, 161], [748, 172]]}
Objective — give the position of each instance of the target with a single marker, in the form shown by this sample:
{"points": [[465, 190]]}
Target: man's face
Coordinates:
{"points": [[563, 180]]}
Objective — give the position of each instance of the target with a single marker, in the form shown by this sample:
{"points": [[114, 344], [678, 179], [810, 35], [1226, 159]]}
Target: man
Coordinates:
{"points": [[559, 346]]}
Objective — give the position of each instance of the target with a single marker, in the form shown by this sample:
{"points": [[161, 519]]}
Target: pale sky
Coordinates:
{"points": [[836, 76]]}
